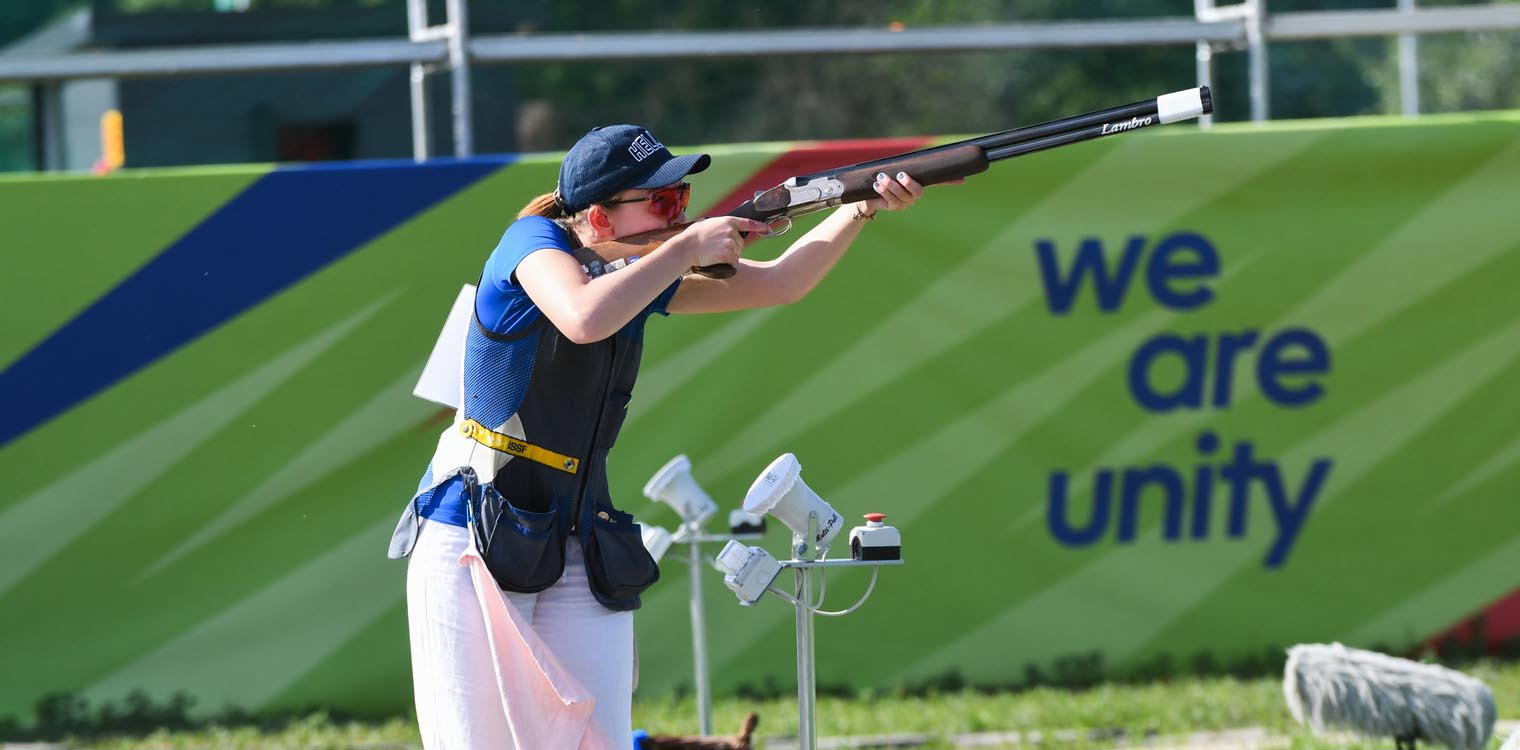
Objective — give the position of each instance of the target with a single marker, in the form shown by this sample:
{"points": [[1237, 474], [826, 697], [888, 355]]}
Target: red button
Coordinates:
{"points": [[876, 517]]}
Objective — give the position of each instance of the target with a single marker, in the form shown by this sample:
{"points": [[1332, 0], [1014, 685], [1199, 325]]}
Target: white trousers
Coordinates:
{"points": [[459, 705]]}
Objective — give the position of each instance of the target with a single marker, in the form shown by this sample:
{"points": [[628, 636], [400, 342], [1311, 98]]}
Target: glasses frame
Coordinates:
{"points": [[683, 199]]}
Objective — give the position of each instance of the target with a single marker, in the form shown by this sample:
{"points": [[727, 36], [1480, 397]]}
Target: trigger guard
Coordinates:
{"points": [[785, 222]]}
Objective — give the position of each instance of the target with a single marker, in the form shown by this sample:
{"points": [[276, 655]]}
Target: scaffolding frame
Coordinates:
{"points": [[450, 48]]}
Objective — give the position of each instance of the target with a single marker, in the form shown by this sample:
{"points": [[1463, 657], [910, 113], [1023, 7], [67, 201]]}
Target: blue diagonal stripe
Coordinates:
{"points": [[284, 227]]}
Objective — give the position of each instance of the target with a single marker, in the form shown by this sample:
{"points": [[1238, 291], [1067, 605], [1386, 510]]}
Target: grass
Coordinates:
{"points": [[1063, 718]]}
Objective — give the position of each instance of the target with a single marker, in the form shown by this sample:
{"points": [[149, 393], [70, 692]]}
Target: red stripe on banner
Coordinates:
{"points": [[1498, 626], [815, 158]]}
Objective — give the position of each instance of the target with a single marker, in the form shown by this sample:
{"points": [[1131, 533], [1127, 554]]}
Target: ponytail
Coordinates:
{"points": [[546, 205], [552, 208]]}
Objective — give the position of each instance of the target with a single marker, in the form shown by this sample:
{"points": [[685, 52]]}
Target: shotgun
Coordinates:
{"points": [[805, 194]]}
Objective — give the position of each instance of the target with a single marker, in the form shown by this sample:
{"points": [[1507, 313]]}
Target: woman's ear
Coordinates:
{"points": [[600, 222]]}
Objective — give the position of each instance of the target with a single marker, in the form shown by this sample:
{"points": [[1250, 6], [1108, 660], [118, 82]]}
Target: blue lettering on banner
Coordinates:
{"points": [[1110, 286], [1175, 259], [1193, 352], [1289, 503], [1288, 367], [1272, 365]]}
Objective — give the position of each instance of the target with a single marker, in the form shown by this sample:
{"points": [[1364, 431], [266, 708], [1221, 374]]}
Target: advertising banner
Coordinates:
{"points": [[1149, 403]]}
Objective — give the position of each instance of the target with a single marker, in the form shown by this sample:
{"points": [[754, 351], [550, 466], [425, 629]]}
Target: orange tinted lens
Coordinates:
{"points": [[670, 202], [660, 203]]}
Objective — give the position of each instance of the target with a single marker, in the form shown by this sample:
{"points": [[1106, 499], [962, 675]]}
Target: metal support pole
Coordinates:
{"points": [[1409, 67], [807, 681], [50, 130], [691, 535], [1257, 50], [1205, 67], [459, 64], [420, 134], [807, 664], [1204, 11], [807, 711], [416, 23], [699, 639]]}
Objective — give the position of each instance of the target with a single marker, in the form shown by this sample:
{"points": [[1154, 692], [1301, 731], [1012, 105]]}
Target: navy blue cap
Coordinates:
{"points": [[619, 157]]}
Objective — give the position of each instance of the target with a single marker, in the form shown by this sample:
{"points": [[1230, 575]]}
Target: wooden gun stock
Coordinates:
{"points": [[609, 256]]}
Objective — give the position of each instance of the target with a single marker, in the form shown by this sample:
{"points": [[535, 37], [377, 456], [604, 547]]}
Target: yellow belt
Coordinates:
{"points": [[520, 448]]}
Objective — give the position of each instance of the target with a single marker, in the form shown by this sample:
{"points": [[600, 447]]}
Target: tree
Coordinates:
{"points": [[844, 96]]}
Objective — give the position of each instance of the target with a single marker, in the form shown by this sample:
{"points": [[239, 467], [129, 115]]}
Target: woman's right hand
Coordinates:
{"points": [[718, 240]]}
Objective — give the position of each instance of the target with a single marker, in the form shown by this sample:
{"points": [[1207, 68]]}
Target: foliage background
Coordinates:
{"points": [[795, 98]]}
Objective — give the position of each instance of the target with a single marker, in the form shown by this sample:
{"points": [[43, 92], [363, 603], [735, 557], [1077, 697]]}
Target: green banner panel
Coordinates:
{"points": [[1170, 398]]}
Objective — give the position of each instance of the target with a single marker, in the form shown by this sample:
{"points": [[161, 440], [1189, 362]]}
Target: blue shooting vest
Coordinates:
{"points": [[538, 415]]}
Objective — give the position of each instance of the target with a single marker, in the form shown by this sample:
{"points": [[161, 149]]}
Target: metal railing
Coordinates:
{"points": [[450, 48]]}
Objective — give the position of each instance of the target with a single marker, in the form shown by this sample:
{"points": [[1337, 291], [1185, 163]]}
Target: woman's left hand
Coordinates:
{"points": [[897, 192]]}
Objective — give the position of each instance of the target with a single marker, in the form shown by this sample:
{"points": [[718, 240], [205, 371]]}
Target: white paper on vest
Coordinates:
{"points": [[443, 373]]}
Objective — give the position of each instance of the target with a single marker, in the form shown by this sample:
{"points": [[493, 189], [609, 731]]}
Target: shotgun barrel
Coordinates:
{"points": [[805, 194]]}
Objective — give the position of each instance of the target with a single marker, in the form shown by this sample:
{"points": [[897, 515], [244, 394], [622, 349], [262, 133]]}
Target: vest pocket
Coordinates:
{"points": [[618, 566], [523, 549]]}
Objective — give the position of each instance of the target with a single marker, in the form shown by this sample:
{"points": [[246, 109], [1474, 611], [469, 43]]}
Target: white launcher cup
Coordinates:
{"points": [[780, 491], [657, 541], [674, 486]]}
